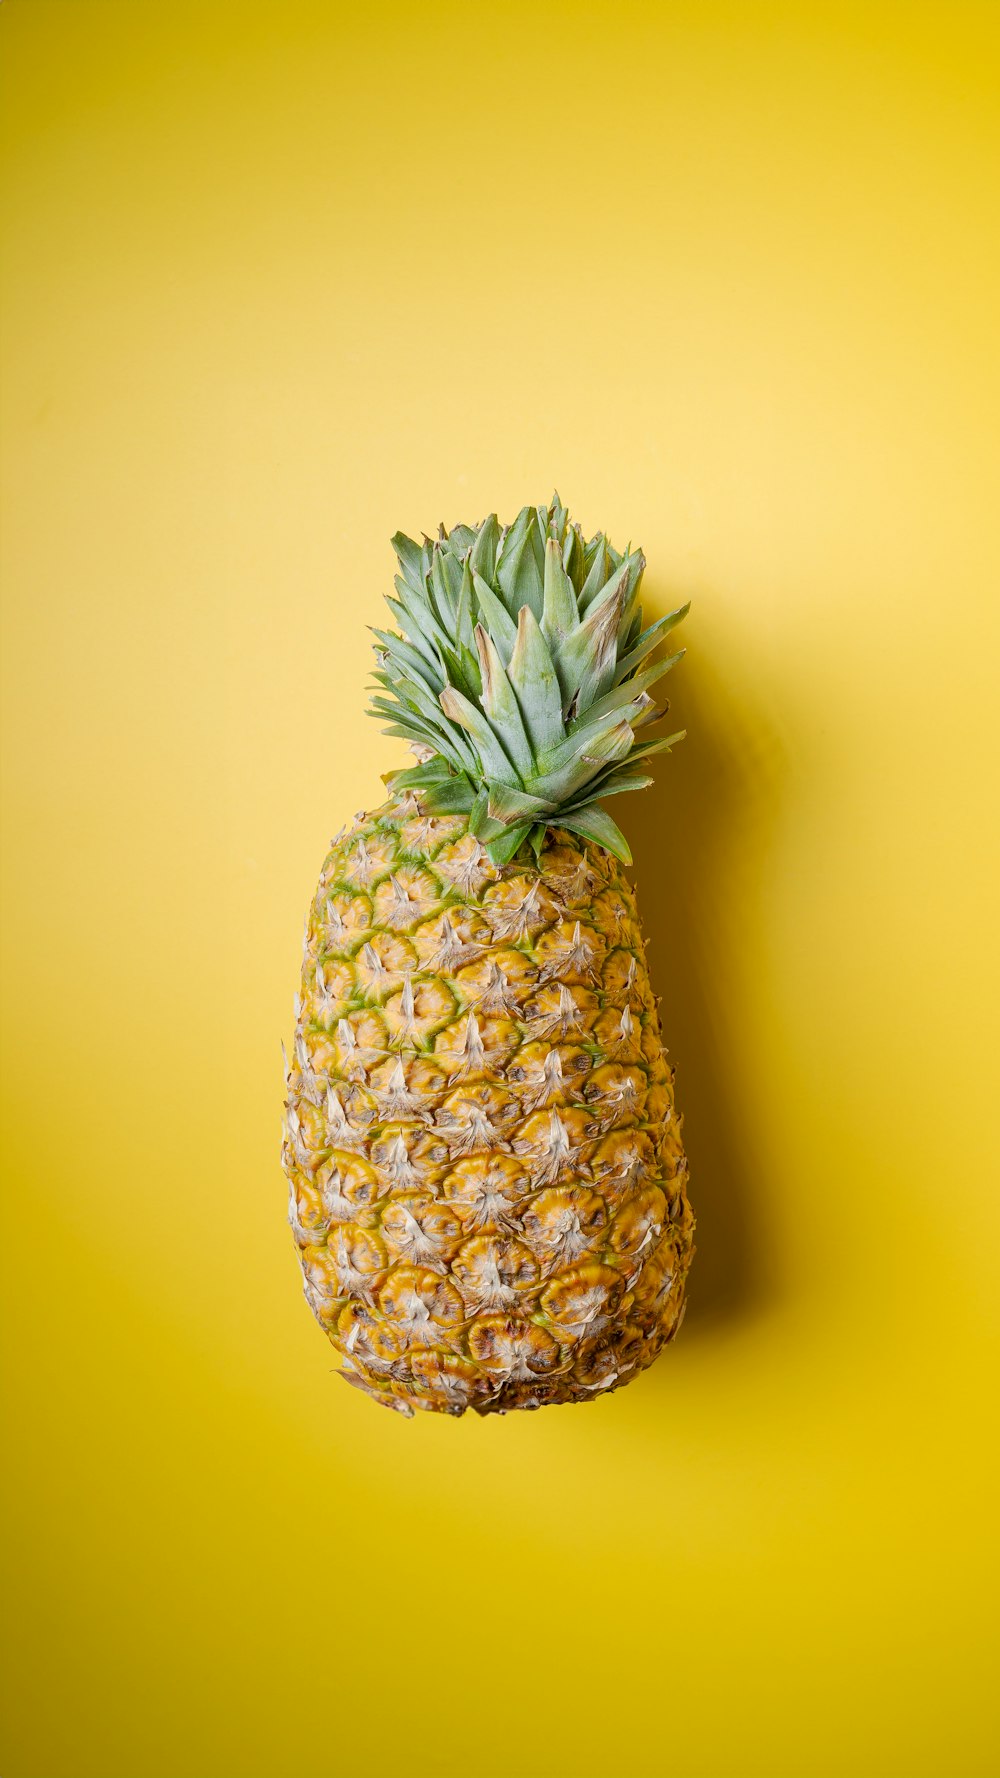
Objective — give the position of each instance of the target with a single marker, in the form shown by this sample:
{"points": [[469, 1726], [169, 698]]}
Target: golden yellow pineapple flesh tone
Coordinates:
{"points": [[487, 1182]]}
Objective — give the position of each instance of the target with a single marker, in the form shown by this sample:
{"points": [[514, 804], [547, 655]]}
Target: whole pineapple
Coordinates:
{"points": [[487, 1178]]}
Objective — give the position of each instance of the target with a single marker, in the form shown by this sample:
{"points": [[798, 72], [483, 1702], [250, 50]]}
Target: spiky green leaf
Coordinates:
{"points": [[503, 848], [483, 556], [596, 824], [501, 706], [478, 814], [533, 678], [496, 618], [522, 661], [507, 804], [489, 747], [451, 796], [647, 640], [559, 608], [520, 564]]}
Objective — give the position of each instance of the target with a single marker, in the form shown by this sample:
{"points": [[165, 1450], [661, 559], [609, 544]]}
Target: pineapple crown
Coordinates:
{"points": [[521, 677]]}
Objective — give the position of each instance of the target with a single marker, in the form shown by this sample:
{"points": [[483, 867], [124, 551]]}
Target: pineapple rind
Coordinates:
{"points": [[487, 1179]]}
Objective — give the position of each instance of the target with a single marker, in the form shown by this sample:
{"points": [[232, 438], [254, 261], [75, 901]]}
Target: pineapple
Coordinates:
{"points": [[487, 1182]]}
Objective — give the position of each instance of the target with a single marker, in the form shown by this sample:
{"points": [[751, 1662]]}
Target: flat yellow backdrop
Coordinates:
{"points": [[283, 276]]}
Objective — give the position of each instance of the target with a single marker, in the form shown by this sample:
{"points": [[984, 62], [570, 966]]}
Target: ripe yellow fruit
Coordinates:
{"points": [[486, 1171]]}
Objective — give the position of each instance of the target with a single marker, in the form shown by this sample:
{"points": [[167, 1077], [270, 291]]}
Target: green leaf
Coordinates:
{"points": [[594, 739], [586, 659], [520, 564], [617, 704], [501, 706], [416, 694], [462, 669], [430, 709], [559, 611], [413, 660], [464, 620], [446, 578], [600, 670], [647, 641], [451, 572], [432, 771], [634, 568], [395, 711], [596, 824], [409, 556], [496, 618], [453, 796], [533, 678], [415, 728], [564, 782], [461, 538], [572, 557], [506, 804], [651, 712], [646, 749], [478, 812], [598, 566], [614, 784], [624, 579], [630, 637], [622, 695], [483, 558], [536, 840], [502, 849], [421, 629], [493, 761]]}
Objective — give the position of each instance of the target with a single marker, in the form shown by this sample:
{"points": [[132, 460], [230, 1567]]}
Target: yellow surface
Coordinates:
{"points": [[279, 278]]}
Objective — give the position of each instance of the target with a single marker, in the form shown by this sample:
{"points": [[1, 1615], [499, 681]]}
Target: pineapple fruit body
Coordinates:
{"points": [[487, 1181]]}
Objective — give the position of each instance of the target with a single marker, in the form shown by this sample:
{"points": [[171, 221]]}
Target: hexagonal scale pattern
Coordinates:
{"points": [[487, 1182]]}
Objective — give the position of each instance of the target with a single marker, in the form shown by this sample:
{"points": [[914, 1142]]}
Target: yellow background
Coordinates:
{"points": [[279, 278]]}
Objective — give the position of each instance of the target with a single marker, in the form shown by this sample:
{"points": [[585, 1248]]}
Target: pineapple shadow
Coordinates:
{"points": [[700, 837]]}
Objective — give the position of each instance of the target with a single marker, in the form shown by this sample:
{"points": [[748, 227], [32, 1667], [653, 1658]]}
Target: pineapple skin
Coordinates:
{"points": [[488, 1189]]}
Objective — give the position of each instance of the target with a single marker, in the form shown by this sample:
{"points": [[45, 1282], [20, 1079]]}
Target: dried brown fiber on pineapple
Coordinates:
{"points": [[487, 1182]]}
